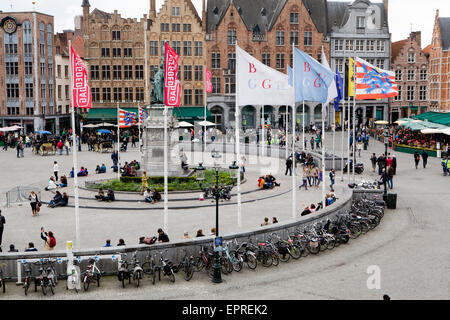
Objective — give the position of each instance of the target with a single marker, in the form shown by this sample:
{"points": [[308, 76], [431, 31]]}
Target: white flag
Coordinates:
{"points": [[258, 84], [332, 90]]}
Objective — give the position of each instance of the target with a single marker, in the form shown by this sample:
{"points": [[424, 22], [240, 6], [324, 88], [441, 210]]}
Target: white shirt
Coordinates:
{"points": [[51, 185], [147, 194], [55, 167]]}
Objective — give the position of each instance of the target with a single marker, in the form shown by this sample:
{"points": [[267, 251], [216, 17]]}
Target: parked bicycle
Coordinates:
{"points": [[2, 279], [123, 273], [187, 264], [92, 274], [136, 272]]}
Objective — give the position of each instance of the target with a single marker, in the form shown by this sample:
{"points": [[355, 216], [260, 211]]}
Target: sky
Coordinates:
{"points": [[404, 15]]}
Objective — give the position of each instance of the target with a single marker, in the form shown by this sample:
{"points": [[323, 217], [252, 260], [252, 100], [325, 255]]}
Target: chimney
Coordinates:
{"points": [[152, 10], [386, 8], [204, 15]]}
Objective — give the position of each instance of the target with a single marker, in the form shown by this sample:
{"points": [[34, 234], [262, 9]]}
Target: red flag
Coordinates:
{"points": [[172, 87], [208, 83], [81, 94]]}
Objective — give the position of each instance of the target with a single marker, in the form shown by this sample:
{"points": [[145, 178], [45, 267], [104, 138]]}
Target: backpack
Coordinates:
{"points": [[52, 242]]}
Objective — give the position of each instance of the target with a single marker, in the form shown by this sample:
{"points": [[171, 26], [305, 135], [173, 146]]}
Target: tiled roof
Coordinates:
{"points": [[78, 45], [427, 49], [444, 24], [396, 48]]}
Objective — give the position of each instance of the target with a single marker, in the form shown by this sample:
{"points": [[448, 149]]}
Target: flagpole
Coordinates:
{"points": [[139, 125], [238, 149], [74, 157], [343, 124], [166, 180], [118, 142], [294, 194], [286, 130], [204, 117], [323, 155], [348, 127], [354, 116], [303, 125], [262, 122]]}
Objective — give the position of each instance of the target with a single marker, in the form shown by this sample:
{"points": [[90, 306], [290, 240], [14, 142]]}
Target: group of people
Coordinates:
{"points": [[199, 233], [108, 197], [383, 162], [267, 182], [130, 169], [266, 221]]}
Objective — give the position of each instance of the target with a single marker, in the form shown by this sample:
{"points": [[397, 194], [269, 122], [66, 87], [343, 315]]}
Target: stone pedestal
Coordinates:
{"points": [[153, 143]]}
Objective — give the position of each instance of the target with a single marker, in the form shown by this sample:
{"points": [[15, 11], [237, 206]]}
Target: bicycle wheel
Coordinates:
{"points": [[123, 282], [228, 265], [331, 243], [304, 249], [153, 277], [86, 283], [267, 260], [354, 232], [188, 272], [52, 287], [138, 278], [44, 289], [237, 262], [284, 257], [2, 283], [323, 244], [295, 252], [26, 286], [252, 263], [364, 227], [275, 259], [199, 264], [171, 276], [315, 249], [98, 279], [147, 268]]}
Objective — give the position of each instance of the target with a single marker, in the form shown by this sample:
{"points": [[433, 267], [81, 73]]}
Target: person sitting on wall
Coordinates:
{"points": [[261, 182], [63, 183], [109, 196], [100, 194], [83, 172], [156, 196]]}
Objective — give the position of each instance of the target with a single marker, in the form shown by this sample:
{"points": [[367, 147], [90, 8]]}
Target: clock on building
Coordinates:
{"points": [[9, 25]]}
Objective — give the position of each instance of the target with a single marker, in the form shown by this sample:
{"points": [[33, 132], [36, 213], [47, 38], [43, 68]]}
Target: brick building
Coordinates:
{"points": [[410, 64], [265, 29], [115, 57], [439, 79], [27, 77], [179, 24]]}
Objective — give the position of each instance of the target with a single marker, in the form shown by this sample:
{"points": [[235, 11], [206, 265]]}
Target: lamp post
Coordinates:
{"points": [[217, 275], [386, 141], [200, 170], [234, 172]]}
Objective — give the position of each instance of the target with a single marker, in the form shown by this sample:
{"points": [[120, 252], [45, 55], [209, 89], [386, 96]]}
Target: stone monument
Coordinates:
{"points": [[153, 137]]}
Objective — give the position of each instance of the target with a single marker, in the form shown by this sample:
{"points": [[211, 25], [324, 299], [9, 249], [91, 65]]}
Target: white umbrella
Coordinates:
{"points": [[90, 126], [206, 124], [184, 124], [431, 131], [106, 124], [446, 131], [381, 122]]}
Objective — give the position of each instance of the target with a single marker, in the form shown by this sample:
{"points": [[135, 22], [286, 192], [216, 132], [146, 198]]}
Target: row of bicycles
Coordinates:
{"points": [[363, 216]]}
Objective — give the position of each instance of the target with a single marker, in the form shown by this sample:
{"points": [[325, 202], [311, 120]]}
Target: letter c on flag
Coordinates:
{"points": [[252, 83], [252, 68]]}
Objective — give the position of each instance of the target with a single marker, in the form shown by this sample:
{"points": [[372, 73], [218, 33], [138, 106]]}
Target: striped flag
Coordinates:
{"points": [[126, 119], [142, 115], [373, 82]]}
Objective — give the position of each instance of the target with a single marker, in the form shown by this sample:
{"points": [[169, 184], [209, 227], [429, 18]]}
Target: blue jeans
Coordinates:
{"points": [[390, 182]]}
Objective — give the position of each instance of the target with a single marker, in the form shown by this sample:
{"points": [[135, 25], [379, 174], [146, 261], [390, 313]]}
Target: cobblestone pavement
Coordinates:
{"points": [[410, 246]]}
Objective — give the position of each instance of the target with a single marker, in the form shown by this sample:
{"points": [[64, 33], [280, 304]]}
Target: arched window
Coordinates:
{"points": [[50, 39]]}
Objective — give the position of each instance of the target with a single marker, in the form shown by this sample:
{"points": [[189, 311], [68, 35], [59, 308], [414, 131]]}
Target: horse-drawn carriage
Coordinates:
{"points": [[104, 145], [44, 148]]}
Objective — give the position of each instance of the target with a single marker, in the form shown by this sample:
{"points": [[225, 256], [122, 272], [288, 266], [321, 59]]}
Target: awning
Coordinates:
{"points": [[189, 114], [436, 117]]}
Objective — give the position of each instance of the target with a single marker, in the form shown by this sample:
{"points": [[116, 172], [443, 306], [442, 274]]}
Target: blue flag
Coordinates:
{"points": [[340, 90], [312, 79]]}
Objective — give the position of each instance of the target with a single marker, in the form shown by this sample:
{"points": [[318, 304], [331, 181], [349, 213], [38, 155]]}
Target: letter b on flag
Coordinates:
{"points": [[252, 68]]}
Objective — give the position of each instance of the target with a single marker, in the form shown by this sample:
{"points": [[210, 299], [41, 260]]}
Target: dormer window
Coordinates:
{"points": [[216, 11], [239, 9], [263, 12]]}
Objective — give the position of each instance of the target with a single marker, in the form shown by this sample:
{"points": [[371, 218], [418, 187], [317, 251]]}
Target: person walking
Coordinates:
{"points": [[2, 223], [312, 143], [424, 159], [55, 170], [304, 179], [332, 177], [144, 181], [381, 162], [359, 147], [390, 176], [373, 159], [67, 146], [288, 166], [18, 149], [416, 158]]}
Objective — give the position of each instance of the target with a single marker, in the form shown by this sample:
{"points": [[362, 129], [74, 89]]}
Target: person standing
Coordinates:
{"points": [[373, 159], [18, 149], [416, 158], [394, 164], [359, 147], [144, 181], [67, 145], [2, 223], [55, 170], [424, 159], [312, 143], [288, 166], [34, 202]]}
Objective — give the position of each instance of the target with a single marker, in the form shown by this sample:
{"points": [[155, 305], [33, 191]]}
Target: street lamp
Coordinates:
{"points": [[200, 170], [217, 276], [233, 171]]}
